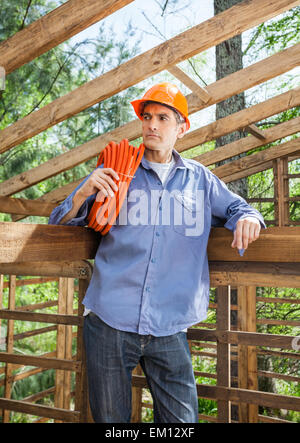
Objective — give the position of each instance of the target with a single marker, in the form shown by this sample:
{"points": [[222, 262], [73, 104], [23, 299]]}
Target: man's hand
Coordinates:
{"points": [[247, 231], [100, 180]]}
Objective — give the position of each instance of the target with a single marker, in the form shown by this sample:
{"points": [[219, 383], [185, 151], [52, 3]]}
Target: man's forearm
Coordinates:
{"points": [[77, 201]]}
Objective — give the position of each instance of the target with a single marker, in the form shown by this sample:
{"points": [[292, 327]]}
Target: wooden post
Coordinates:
{"points": [[68, 343], [223, 351], [1, 307], [60, 345], [247, 358], [81, 390], [9, 346], [281, 191], [64, 343], [136, 415]]}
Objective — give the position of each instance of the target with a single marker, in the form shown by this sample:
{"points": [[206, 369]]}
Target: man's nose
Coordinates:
{"points": [[153, 124]]}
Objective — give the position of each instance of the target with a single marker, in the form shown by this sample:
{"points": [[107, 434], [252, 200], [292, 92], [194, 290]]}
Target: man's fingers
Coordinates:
{"points": [[247, 231]]}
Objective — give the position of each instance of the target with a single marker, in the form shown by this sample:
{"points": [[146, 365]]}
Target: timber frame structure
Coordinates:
{"points": [[61, 252]]}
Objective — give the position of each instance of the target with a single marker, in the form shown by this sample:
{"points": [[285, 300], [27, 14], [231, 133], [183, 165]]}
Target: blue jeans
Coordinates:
{"points": [[112, 355]]}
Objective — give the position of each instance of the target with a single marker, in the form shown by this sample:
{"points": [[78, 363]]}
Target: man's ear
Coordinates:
{"points": [[182, 130]]}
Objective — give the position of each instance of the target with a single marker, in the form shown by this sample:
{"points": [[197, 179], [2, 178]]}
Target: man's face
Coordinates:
{"points": [[160, 128]]}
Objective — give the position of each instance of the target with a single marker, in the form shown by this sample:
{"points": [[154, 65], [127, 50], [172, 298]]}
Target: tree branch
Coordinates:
{"points": [[26, 13]]}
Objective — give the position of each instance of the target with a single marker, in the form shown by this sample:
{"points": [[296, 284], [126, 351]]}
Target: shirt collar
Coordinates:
{"points": [[180, 162]]}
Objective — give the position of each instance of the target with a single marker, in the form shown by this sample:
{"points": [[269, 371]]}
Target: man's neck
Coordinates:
{"points": [[158, 156]]}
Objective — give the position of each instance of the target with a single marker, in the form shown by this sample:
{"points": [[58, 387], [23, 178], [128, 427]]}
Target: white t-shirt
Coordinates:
{"points": [[162, 169]]}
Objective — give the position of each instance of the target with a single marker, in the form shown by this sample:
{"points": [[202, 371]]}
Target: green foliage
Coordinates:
{"points": [[50, 76]]}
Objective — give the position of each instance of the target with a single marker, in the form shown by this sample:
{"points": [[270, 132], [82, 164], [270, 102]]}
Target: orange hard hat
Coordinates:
{"points": [[166, 94]]}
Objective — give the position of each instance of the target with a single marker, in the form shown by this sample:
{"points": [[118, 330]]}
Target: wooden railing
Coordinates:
{"points": [[220, 340]]}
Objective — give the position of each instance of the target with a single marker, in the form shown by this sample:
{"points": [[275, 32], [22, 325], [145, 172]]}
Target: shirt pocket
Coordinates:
{"points": [[188, 219]]}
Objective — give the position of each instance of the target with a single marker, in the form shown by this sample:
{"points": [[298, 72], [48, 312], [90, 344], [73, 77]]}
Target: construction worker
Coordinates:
{"points": [[151, 279]]}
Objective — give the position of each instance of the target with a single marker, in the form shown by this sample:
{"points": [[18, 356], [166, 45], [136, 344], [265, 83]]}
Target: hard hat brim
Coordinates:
{"points": [[136, 104]]}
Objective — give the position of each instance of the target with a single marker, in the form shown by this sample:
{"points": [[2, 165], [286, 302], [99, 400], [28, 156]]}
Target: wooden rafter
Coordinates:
{"points": [[229, 23], [247, 77], [243, 145], [202, 94], [54, 28], [251, 161]]}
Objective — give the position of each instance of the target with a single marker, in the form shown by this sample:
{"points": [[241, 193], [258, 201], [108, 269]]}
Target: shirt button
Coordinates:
{"points": [[153, 260], [157, 234], [148, 289]]}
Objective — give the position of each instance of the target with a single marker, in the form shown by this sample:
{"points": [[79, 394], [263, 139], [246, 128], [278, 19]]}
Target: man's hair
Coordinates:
{"points": [[179, 118]]}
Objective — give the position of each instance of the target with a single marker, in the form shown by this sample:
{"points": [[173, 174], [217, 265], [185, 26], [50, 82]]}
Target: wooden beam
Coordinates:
{"points": [[209, 132], [254, 130], [285, 275], [30, 242], [220, 90], [26, 207], [253, 160], [54, 28], [240, 119], [274, 245], [190, 83], [229, 23], [76, 269], [39, 410], [245, 144]]}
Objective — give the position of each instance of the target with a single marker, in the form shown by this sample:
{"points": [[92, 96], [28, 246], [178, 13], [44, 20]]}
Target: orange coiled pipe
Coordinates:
{"points": [[124, 159]]}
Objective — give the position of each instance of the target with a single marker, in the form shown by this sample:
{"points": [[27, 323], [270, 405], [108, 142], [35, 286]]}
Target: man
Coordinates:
{"points": [[150, 279]]}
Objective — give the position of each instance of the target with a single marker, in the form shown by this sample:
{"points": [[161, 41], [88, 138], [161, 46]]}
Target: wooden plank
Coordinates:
{"points": [[25, 206], [248, 172], [229, 23], [256, 339], [41, 362], [252, 161], [274, 245], [29, 242], [60, 345], [219, 278], [290, 270], [39, 410], [54, 28], [281, 191], [9, 346], [237, 395], [60, 319], [22, 242], [190, 83], [255, 113], [81, 388], [222, 89], [247, 322], [254, 130], [77, 269], [223, 351], [242, 353]]}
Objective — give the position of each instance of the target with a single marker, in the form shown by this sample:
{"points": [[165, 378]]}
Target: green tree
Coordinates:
{"points": [[53, 75]]}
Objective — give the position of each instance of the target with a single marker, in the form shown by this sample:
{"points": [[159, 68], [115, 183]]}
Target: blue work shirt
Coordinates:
{"points": [[151, 272]]}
